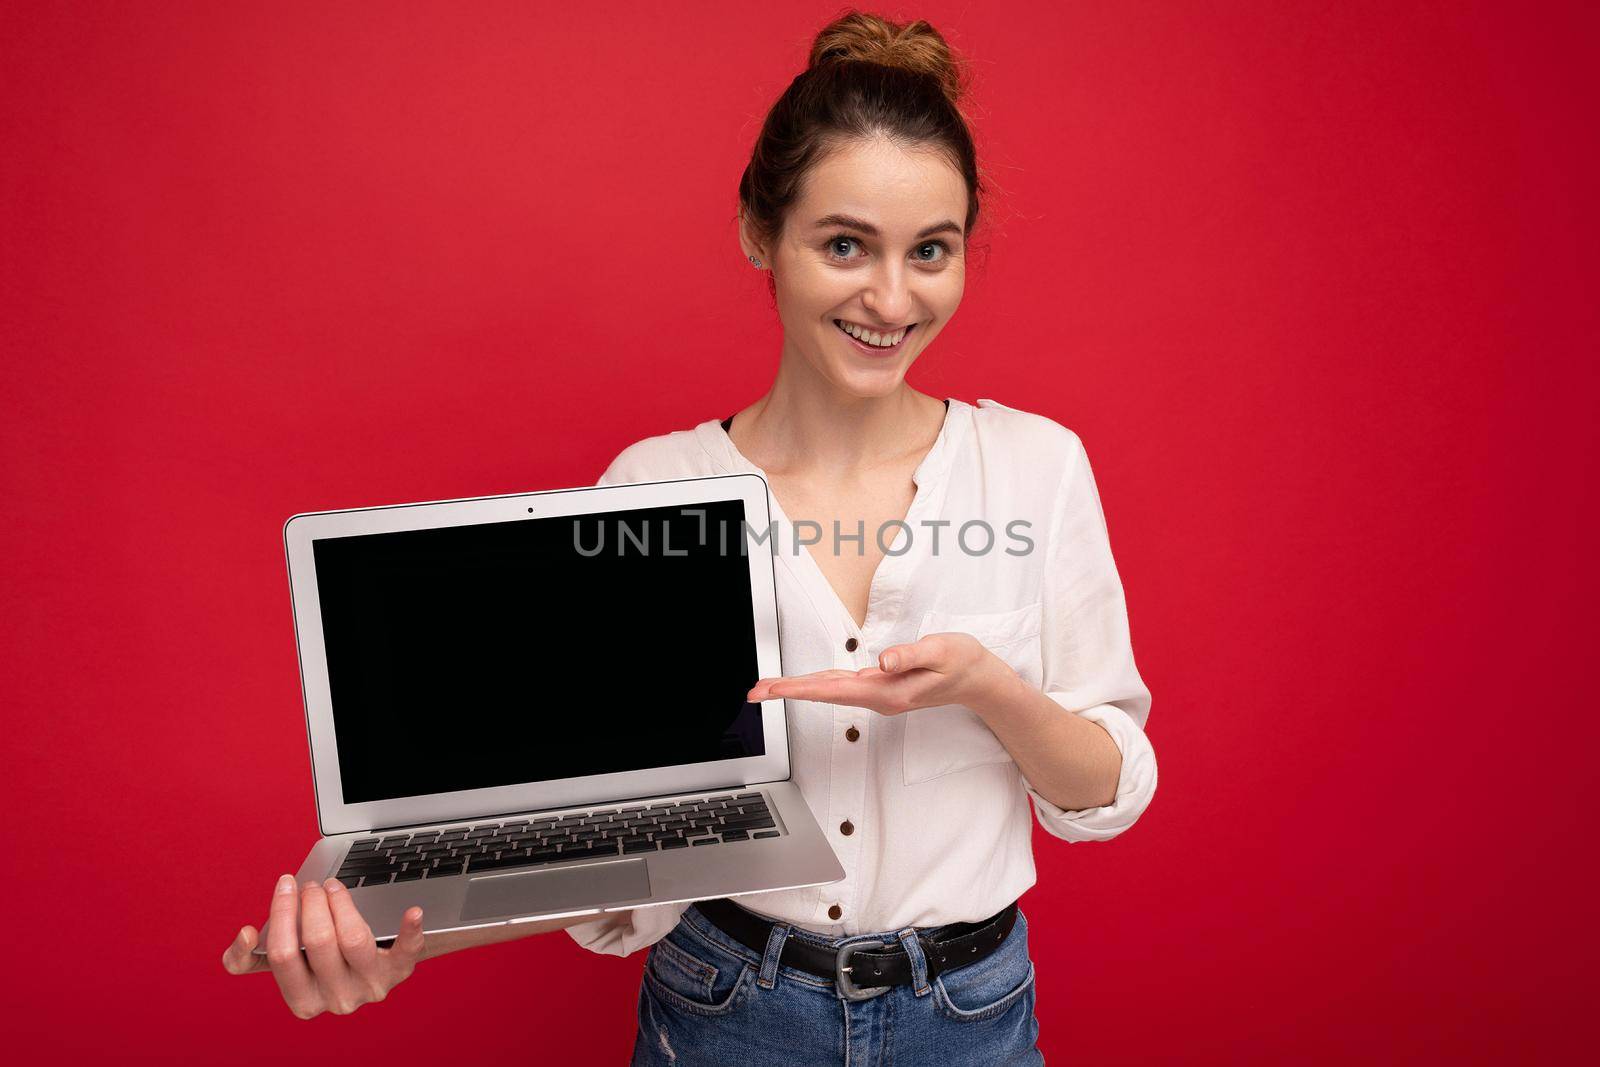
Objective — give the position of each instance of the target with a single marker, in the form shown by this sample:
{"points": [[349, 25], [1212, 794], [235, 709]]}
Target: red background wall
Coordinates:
{"points": [[1314, 282]]}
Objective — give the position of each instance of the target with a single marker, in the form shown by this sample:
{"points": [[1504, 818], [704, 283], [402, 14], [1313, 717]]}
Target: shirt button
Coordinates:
{"points": [[834, 911], [851, 734], [847, 828], [850, 644]]}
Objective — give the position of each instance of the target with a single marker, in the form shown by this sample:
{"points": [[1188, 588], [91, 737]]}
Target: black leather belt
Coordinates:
{"points": [[864, 969]]}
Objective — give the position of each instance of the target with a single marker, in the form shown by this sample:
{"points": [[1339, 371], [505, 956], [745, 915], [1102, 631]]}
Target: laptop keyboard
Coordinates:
{"points": [[504, 845]]}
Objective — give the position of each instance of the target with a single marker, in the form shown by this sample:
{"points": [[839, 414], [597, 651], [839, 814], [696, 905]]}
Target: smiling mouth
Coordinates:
{"points": [[861, 339]]}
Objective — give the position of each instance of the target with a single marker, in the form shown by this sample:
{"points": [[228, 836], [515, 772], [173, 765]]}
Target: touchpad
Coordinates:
{"points": [[533, 892]]}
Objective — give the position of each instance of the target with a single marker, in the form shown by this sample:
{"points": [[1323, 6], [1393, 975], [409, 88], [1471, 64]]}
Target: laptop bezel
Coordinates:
{"points": [[334, 816]]}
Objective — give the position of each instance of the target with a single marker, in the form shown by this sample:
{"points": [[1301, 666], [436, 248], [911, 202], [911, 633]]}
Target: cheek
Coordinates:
{"points": [[804, 302]]}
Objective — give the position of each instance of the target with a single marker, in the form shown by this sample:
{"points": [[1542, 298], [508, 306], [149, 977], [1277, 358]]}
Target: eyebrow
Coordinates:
{"points": [[851, 222]]}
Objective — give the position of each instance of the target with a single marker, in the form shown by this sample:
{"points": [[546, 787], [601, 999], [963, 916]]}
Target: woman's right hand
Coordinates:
{"points": [[342, 967]]}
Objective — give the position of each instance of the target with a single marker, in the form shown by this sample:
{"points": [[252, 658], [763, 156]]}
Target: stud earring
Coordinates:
{"points": [[756, 261]]}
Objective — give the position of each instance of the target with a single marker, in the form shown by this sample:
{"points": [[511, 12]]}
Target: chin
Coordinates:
{"points": [[870, 384]]}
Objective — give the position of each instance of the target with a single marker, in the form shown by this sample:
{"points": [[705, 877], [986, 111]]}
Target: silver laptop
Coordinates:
{"points": [[533, 706]]}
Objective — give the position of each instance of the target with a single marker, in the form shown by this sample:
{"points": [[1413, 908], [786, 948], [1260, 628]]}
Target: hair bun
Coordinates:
{"points": [[914, 46]]}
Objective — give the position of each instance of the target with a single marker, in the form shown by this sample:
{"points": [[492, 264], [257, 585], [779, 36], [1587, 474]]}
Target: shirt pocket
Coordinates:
{"points": [[951, 737]]}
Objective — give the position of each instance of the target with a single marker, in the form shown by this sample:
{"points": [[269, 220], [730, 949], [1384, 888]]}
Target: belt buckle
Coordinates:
{"points": [[841, 972]]}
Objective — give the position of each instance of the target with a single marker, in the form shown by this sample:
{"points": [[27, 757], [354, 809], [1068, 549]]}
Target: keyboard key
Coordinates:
{"points": [[369, 856], [447, 867], [705, 841], [735, 835], [638, 846], [674, 842], [408, 876], [767, 833], [748, 796], [391, 842], [376, 879], [369, 861], [365, 846]]}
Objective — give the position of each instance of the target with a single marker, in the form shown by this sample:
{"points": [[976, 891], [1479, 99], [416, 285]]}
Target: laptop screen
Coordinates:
{"points": [[556, 647]]}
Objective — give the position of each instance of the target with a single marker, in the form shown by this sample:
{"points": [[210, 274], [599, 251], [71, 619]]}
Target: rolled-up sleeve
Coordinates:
{"points": [[622, 933], [1088, 654]]}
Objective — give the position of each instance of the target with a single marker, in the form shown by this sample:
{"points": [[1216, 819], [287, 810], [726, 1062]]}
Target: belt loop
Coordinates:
{"points": [[769, 958], [919, 963]]}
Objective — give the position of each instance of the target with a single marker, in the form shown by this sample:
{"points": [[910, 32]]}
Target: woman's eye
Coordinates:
{"points": [[835, 243]]}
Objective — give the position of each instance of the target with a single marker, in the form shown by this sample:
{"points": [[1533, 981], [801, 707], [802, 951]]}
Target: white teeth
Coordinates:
{"points": [[878, 340]]}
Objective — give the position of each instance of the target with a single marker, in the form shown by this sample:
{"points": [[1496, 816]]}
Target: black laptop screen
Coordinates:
{"points": [[511, 652]]}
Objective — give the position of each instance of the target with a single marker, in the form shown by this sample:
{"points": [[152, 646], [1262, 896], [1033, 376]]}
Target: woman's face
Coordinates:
{"points": [[874, 241]]}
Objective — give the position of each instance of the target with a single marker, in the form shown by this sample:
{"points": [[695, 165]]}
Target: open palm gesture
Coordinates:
{"points": [[942, 668]]}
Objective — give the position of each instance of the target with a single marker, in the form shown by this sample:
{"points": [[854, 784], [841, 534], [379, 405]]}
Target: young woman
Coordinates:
{"points": [[952, 622]]}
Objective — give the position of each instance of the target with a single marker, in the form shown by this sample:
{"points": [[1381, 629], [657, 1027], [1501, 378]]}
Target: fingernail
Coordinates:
{"points": [[891, 661], [286, 884], [333, 885]]}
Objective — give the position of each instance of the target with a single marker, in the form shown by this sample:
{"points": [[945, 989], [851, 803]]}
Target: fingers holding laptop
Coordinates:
{"points": [[240, 958], [342, 967]]}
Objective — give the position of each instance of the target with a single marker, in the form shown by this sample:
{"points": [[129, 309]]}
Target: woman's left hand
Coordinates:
{"points": [[943, 668]]}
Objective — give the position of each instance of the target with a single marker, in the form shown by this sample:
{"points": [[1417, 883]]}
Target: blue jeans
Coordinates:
{"points": [[707, 999]]}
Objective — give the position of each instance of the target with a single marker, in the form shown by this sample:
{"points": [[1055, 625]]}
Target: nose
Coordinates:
{"points": [[888, 294]]}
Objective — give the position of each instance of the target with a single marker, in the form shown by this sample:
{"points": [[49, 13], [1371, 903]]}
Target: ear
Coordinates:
{"points": [[749, 245]]}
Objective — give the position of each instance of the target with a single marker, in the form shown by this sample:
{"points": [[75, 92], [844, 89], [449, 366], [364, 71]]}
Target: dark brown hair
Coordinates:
{"points": [[867, 77]]}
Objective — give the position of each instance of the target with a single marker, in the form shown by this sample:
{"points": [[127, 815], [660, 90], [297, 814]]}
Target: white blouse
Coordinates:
{"points": [[938, 810]]}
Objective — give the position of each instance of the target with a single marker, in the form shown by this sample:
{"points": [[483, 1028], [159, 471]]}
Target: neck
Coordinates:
{"points": [[806, 424]]}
